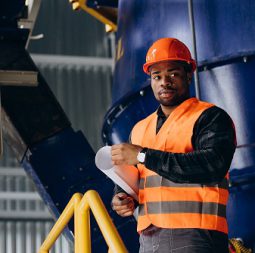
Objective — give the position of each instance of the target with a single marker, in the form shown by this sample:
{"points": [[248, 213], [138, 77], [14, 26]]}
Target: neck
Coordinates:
{"points": [[167, 110]]}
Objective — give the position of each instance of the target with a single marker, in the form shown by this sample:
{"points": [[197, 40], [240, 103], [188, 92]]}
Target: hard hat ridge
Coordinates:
{"points": [[168, 49]]}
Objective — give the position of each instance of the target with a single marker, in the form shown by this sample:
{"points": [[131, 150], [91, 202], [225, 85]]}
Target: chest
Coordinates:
{"points": [[174, 135]]}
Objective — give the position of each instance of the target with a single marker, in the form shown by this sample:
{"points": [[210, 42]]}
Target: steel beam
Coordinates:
{"points": [[18, 78]]}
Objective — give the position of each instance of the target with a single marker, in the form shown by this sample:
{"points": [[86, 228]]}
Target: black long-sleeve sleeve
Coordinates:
{"points": [[214, 144]]}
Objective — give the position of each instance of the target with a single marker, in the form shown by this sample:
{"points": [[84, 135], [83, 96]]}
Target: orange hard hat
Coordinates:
{"points": [[168, 49]]}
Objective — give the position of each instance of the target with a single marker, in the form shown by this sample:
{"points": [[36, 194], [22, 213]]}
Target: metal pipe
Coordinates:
{"points": [[192, 26], [61, 223], [25, 216], [112, 49], [92, 199], [79, 207], [12, 195], [67, 60]]}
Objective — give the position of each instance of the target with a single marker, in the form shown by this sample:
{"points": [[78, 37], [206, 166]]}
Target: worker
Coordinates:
{"points": [[183, 152]]}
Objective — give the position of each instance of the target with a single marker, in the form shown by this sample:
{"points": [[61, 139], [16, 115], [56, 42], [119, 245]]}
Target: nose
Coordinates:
{"points": [[166, 81]]}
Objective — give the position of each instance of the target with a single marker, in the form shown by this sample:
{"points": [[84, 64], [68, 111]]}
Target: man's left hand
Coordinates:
{"points": [[125, 153]]}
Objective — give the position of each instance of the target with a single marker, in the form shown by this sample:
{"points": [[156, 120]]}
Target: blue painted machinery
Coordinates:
{"points": [[224, 35], [61, 161]]}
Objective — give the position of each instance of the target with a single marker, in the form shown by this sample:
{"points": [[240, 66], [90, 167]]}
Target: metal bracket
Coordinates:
{"points": [[18, 78], [15, 78], [33, 9], [106, 15]]}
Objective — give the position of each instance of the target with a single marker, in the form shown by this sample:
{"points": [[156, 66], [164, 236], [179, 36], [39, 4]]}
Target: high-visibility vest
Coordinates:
{"points": [[167, 204]]}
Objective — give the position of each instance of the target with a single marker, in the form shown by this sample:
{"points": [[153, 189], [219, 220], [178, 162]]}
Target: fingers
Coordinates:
{"points": [[125, 153], [118, 154], [123, 204], [121, 200], [126, 214]]}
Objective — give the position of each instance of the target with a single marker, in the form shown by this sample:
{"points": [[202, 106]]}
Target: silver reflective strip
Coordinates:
{"points": [[141, 210], [141, 183], [157, 181], [184, 207]]}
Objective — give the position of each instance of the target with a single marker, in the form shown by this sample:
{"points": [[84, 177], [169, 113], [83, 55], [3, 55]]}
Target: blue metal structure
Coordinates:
{"points": [[102, 3], [225, 35]]}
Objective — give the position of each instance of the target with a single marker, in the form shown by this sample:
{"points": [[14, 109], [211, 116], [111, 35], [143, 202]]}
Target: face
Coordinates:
{"points": [[170, 83]]}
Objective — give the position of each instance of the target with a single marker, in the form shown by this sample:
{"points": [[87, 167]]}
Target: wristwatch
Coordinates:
{"points": [[141, 155]]}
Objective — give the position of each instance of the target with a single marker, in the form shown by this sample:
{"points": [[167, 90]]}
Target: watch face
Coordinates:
{"points": [[141, 157]]}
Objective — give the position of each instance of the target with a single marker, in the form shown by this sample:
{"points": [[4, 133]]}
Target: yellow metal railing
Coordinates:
{"points": [[106, 18], [79, 207]]}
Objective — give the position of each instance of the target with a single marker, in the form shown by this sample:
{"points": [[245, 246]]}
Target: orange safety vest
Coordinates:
{"points": [[167, 204]]}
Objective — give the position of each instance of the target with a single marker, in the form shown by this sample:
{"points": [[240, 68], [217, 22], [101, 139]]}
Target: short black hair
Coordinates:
{"points": [[187, 66]]}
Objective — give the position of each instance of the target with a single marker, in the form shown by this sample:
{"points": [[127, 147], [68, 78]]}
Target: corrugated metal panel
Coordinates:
{"points": [[85, 95], [8, 159], [22, 235], [27, 237], [68, 32]]}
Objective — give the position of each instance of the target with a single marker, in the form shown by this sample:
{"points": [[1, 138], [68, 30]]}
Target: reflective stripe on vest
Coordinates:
{"points": [[184, 207], [173, 205], [157, 181]]}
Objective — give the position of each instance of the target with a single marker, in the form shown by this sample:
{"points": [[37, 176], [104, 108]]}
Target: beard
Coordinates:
{"points": [[175, 100]]}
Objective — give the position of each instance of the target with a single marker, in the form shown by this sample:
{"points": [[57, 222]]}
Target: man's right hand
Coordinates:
{"points": [[123, 204]]}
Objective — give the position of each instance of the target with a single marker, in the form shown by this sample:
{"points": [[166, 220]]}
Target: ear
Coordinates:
{"points": [[189, 77]]}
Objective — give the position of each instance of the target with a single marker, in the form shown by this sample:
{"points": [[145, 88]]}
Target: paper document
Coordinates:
{"points": [[126, 176]]}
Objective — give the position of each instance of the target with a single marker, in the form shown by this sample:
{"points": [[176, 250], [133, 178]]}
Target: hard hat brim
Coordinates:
{"points": [[147, 65]]}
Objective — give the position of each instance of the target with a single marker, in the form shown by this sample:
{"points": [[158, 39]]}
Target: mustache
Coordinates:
{"points": [[166, 89]]}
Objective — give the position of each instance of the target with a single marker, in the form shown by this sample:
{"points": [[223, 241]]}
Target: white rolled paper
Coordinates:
{"points": [[126, 176]]}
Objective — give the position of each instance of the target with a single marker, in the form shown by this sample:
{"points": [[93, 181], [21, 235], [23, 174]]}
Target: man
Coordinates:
{"points": [[183, 152]]}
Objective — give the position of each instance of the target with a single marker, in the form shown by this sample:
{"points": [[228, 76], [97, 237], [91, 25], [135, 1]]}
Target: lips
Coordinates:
{"points": [[167, 93]]}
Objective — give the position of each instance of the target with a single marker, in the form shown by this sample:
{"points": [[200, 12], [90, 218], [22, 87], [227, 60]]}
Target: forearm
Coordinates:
{"points": [[214, 144], [203, 166]]}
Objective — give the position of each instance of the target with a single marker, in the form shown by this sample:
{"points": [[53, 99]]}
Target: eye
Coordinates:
{"points": [[175, 75], [155, 77]]}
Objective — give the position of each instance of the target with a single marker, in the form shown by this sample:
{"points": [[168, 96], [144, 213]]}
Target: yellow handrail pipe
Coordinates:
{"points": [[92, 200], [81, 230], [79, 206], [59, 226]]}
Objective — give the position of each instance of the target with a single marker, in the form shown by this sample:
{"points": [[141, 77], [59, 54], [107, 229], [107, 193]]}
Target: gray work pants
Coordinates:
{"points": [[160, 240]]}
